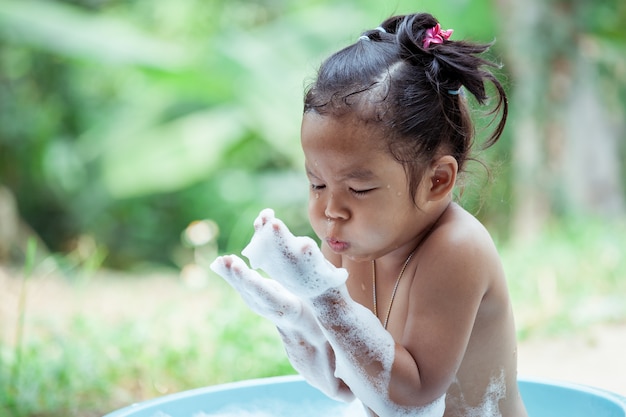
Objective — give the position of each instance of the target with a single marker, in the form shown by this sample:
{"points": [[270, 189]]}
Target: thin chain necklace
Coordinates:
{"points": [[395, 287]]}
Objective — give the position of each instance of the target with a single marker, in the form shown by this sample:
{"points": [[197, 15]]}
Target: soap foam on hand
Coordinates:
{"points": [[296, 262], [265, 297], [299, 265], [359, 340], [490, 404], [270, 299]]}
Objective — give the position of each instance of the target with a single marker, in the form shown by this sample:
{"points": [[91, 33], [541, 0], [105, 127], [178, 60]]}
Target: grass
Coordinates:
{"points": [[570, 277], [84, 364]]}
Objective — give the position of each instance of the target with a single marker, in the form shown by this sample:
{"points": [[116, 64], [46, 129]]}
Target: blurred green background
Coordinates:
{"points": [[145, 135]]}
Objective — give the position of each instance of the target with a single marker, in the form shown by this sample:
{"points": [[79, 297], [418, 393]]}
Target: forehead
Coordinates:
{"points": [[345, 148], [346, 133]]}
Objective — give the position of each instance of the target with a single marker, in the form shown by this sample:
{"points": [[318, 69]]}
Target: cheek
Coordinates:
{"points": [[316, 212]]}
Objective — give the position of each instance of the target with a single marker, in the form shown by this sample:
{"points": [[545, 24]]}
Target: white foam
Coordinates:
{"points": [[490, 404], [267, 298], [364, 350], [295, 262], [365, 344]]}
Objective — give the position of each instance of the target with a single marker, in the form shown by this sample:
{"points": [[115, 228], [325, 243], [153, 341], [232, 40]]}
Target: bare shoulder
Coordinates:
{"points": [[460, 253], [459, 236], [457, 266], [462, 227]]}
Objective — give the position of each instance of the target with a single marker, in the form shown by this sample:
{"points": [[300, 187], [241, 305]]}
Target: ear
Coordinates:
{"points": [[442, 177]]}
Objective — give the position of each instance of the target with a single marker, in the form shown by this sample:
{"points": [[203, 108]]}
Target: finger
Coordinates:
{"points": [[249, 283], [231, 268], [265, 297], [265, 216]]}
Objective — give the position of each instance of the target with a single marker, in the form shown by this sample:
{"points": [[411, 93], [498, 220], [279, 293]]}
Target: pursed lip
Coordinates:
{"points": [[337, 245]]}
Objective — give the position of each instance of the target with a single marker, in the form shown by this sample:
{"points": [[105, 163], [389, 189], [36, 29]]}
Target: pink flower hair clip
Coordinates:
{"points": [[436, 35]]}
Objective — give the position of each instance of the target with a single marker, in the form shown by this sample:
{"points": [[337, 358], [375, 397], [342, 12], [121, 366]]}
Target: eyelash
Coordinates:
{"points": [[357, 193]]}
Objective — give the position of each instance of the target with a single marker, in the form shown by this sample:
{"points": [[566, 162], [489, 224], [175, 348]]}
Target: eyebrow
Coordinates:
{"points": [[310, 173], [361, 174]]}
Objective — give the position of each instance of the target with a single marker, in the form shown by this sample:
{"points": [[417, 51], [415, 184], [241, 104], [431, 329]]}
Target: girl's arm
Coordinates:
{"points": [[365, 352], [307, 348]]}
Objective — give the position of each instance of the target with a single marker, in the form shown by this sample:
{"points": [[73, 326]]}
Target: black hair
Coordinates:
{"points": [[411, 91]]}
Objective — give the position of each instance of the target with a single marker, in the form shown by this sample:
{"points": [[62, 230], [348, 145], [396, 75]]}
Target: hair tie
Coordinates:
{"points": [[436, 35], [367, 38]]}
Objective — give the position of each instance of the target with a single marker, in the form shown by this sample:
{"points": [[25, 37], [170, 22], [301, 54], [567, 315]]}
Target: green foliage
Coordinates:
{"points": [[568, 278], [86, 365], [125, 121]]}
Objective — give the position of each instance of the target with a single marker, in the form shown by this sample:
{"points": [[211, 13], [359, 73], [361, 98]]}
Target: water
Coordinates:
{"points": [[292, 396], [280, 408]]}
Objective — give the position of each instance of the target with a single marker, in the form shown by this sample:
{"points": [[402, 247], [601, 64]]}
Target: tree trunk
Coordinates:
{"points": [[524, 62], [591, 170], [566, 157]]}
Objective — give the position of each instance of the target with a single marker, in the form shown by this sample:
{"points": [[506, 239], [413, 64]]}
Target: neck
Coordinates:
{"points": [[397, 257]]}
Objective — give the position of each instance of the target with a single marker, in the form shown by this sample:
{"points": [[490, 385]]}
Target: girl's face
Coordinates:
{"points": [[359, 202]]}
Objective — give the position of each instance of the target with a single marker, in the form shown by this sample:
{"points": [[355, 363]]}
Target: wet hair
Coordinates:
{"points": [[414, 94]]}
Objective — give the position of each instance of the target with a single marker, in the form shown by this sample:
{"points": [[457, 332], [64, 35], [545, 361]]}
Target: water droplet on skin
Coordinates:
{"points": [[399, 194], [317, 195]]}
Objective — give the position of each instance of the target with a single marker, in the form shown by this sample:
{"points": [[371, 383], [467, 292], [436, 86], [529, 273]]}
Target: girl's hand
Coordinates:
{"points": [[305, 343], [296, 262], [265, 297]]}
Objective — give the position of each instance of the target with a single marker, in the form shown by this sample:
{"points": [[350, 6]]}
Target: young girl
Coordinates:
{"points": [[406, 305]]}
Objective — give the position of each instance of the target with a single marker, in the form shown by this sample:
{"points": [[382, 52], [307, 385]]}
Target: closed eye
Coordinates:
{"points": [[360, 193], [315, 187]]}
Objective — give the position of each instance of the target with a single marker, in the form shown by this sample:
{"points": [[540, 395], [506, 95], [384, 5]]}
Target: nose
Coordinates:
{"points": [[335, 209]]}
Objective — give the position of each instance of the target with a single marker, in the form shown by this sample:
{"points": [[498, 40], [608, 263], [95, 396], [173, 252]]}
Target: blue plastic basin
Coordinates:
{"points": [[289, 396]]}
